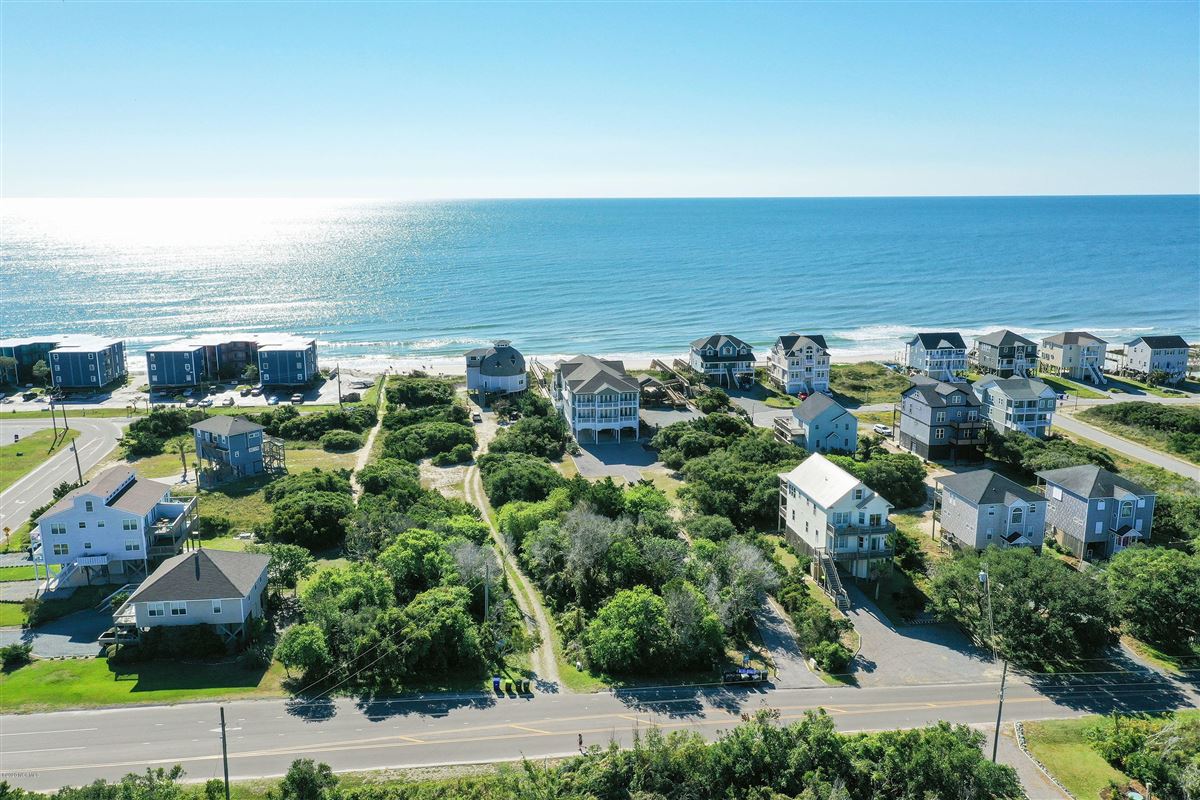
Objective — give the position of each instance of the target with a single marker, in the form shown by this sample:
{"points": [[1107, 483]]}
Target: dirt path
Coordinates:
{"points": [[525, 594], [364, 455]]}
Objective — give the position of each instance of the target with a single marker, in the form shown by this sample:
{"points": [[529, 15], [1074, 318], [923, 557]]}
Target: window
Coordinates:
{"points": [[1100, 505], [178, 608], [82, 524], [87, 545], [939, 416], [858, 494], [956, 400], [132, 545], [154, 609], [87, 506], [100, 524], [876, 520], [129, 525], [1126, 509], [1018, 514], [58, 528], [939, 433], [1141, 502], [61, 550], [1056, 492], [216, 606]]}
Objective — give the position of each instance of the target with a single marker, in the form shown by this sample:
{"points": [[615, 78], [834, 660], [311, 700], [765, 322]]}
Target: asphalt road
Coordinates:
{"points": [[45, 751], [97, 438], [1069, 423]]}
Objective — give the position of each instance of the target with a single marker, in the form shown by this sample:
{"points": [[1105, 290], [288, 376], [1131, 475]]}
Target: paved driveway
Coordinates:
{"points": [[790, 672], [912, 654], [624, 461], [73, 635]]}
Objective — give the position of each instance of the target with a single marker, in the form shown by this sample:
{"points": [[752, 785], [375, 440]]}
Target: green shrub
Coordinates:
{"points": [[15, 655], [340, 441]]}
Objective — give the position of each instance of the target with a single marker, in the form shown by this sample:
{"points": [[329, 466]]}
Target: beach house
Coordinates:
{"points": [[1017, 404], [1148, 356], [114, 527], [723, 360], [942, 356], [597, 396], [289, 360], [941, 421], [499, 369], [219, 588], [819, 425], [1006, 354], [1077, 355], [828, 514], [230, 447], [980, 508], [799, 363], [1094, 513]]}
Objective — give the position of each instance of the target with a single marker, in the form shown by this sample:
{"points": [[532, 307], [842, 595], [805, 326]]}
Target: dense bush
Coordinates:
{"points": [[386, 473], [713, 400], [426, 439], [1163, 751], [459, 454], [146, 436], [339, 441], [16, 655], [630, 633], [312, 519], [897, 477], [177, 642], [1179, 425], [403, 417], [818, 632], [311, 427], [517, 476], [538, 436], [1027, 454], [1156, 595], [316, 480], [419, 391]]}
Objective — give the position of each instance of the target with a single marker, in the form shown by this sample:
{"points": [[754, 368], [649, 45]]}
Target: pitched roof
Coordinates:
{"points": [[1074, 337], [203, 575], [501, 360], [1015, 388], [588, 374], [936, 393], [1160, 342], [984, 487], [793, 342], [1004, 338], [118, 487], [225, 425], [1088, 480], [825, 482], [717, 340], [814, 406], [940, 341]]}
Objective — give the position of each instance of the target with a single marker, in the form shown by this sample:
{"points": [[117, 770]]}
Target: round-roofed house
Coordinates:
{"points": [[499, 369]]}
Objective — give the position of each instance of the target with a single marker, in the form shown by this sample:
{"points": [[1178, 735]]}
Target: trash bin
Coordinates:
{"points": [[525, 686], [496, 684]]}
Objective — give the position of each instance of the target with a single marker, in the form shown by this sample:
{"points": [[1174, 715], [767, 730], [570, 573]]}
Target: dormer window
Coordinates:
{"points": [[858, 494]]}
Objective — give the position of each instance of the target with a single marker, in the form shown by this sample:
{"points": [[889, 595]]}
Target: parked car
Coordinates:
{"points": [[245, 391], [187, 392], [256, 391], [227, 402], [881, 429], [273, 400], [297, 399], [191, 402], [477, 417], [205, 403]]}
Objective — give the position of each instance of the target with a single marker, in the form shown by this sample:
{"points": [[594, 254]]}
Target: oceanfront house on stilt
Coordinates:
{"points": [[1161, 359], [218, 588], [1093, 513], [1077, 355], [116, 527], [941, 421], [828, 514], [799, 364], [980, 508], [279, 360], [597, 396], [229, 448], [723, 360], [1017, 404], [819, 425], [75, 362], [941, 356], [499, 369], [1006, 354]]}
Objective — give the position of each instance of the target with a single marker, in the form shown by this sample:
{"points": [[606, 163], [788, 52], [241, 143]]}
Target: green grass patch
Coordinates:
{"points": [[21, 573], [91, 682], [1174, 663], [18, 540], [1134, 387], [242, 502], [1152, 437], [865, 384], [1072, 388], [782, 401], [20, 458], [11, 615], [1059, 744]]}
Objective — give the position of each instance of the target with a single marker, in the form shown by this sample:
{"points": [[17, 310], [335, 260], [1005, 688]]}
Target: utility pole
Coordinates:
{"points": [[78, 469], [339, 377], [487, 580], [224, 753], [183, 458], [54, 422], [986, 580]]}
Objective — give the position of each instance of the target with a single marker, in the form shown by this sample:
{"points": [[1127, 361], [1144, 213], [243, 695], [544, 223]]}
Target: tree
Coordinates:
{"points": [[417, 561], [339, 441], [41, 373], [696, 635], [897, 477], [715, 399], [1045, 612], [516, 476], [629, 632], [289, 563], [1177, 516], [315, 480], [387, 473], [304, 647], [8, 369], [311, 519], [537, 435], [250, 374], [306, 780], [1156, 595], [710, 526]]}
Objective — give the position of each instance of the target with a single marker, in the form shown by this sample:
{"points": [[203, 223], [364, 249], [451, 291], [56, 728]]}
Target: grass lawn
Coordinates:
{"points": [[865, 384], [665, 481], [782, 401], [783, 553], [91, 682], [241, 502], [1150, 437], [18, 540], [19, 458], [1175, 663], [1130, 386], [1071, 387], [1059, 744], [22, 573], [868, 418], [11, 615]]}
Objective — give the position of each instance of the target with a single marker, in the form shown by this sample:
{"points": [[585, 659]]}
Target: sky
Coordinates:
{"points": [[448, 100]]}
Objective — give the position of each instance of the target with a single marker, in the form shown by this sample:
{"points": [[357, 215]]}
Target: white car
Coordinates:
{"points": [[273, 400], [882, 430]]}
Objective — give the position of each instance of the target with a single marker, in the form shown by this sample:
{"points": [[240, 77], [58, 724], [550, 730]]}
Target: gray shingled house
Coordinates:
{"points": [[941, 421], [941, 355], [819, 425], [1093, 513], [1017, 404], [1006, 354], [981, 508], [725, 360], [1146, 355]]}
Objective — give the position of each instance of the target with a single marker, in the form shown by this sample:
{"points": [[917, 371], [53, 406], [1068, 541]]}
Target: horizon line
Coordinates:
{"points": [[449, 198]]}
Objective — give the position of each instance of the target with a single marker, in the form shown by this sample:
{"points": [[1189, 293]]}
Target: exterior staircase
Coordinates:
{"points": [[1097, 376], [730, 378], [833, 582]]}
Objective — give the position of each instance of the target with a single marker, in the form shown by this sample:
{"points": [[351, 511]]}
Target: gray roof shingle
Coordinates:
{"points": [[814, 406], [717, 341], [1074, 337], [117, 487], [1015, 388], [202, 575], [1005, 338], [1088, 480], [1161, 342], [937, 394], [225, 425], [984, 487], [940, 341], [794, 342], [588, 374]]}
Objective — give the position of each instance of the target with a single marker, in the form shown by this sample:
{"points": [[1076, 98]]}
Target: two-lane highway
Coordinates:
{"points": [[45, 751]]}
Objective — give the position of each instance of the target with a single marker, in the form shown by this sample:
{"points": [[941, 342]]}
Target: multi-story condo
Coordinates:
{"points": [[724, 360], [941, 421], [217, 588], [1075, 354], [1017, 404], [75, 361], [115, 527], [596, 395], [829, 514], [1146, 355], [942, 356], [231, 447], [799, 363], [1094, 513], [1006, 354], [499, 369], [819, 425], [26, 352], [281, 359], [980, 508]]}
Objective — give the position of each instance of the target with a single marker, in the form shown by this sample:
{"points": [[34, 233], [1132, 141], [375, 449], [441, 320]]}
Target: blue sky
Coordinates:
{"points": [[542, 100]]}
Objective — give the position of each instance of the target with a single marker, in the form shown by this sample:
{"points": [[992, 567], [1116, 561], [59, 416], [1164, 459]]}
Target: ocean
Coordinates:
{"points": [[427, 280]]}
